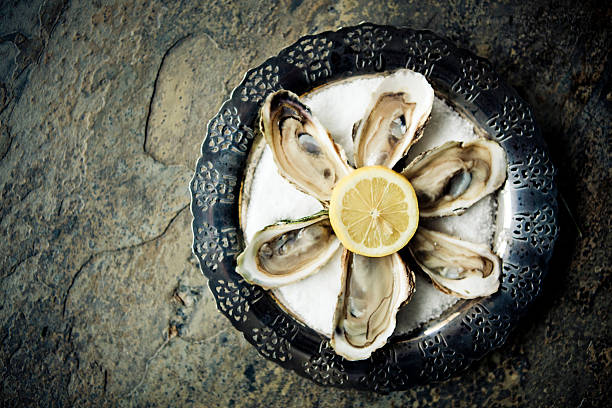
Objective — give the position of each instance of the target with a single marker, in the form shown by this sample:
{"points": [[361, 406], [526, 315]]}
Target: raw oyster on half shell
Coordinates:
{"points": [[303, 150], [373, 290], [287, 252], [450, 178], [399, 110], [457, 267]]}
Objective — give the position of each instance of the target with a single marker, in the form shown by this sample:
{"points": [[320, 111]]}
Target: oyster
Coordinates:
{"points": [[450, 178], [396, 116], [455, 266], [287, 252], [373, 289], [303, 150]]}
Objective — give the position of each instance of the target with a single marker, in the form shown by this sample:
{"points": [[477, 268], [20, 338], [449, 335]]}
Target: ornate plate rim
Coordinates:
{"points": [[475, 328]]}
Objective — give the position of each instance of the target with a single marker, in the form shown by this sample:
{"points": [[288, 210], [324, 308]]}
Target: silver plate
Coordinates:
{"points": [[527, 217]]}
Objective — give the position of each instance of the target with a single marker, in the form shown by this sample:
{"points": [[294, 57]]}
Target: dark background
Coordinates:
{"points": [[103, 106]]}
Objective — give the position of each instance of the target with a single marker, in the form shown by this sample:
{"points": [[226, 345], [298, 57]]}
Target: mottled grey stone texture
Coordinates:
{"points": [[103, 106]]}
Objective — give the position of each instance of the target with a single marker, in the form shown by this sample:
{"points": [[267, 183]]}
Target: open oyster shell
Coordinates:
{"points": [[303, 150], [400, 107], [450, 178], [373, 289], [287, 252], [457, 267]]}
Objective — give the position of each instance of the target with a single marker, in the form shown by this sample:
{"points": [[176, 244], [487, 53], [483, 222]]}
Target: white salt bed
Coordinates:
{"points": [[273, 198], [338, 106], [444, 125], [317, 292], [464, 225], [427, 303]]}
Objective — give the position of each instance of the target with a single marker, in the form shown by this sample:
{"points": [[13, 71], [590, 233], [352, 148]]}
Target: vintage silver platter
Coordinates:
{"points": [[526, 217]]}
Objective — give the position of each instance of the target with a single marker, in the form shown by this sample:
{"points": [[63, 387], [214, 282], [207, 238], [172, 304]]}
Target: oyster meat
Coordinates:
{"points": [[398, 112], [373, 290], [287, 252], [457, 267], [450, 178], [303, 150]]}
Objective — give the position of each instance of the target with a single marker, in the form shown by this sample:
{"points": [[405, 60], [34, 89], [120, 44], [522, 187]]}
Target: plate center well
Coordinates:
{"points": [[270, 198]]}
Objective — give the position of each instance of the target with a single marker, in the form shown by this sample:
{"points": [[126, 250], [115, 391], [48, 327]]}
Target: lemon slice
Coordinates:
{"points": [[374, 211]]}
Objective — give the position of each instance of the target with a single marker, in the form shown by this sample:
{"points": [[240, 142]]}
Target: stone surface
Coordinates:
{"points": [[103, 107]]}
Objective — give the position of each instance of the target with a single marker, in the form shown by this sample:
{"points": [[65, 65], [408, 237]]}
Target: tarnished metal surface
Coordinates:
{"points": [[527, 218]]}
